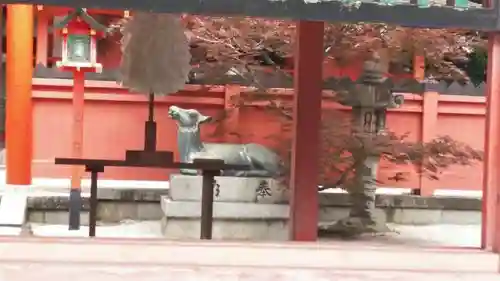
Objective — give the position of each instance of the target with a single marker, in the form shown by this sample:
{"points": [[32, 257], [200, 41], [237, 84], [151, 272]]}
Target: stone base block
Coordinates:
{"points": [[232, 220], [13, 208], [251, 230], [231, 189]]}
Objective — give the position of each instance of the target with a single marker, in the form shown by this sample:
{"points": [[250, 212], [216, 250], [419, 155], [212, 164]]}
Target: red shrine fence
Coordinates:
{"points": [[114, 120]]}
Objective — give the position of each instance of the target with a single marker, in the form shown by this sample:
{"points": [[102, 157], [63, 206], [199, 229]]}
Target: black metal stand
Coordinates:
{"points": [[207, 203], [150, 126], [94, 201], [210, 169]]}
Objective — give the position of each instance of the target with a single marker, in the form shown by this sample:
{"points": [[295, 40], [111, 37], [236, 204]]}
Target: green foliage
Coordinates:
{"points": [[477, 65]]}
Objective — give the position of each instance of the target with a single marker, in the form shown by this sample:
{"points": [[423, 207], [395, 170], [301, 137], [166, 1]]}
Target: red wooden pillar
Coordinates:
{"points": [[19, 123], [308, 87], [490, 235], [78, 108], [419, 67], [42, 36], [430, 105], [231, 123], [56, 51], [2, 71]]}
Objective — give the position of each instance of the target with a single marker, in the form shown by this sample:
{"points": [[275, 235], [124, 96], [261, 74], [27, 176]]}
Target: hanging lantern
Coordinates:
{"points": [[79, 32], [79, 50]]}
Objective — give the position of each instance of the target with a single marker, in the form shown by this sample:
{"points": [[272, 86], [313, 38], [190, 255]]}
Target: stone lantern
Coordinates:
{"points": [[370, 96]]}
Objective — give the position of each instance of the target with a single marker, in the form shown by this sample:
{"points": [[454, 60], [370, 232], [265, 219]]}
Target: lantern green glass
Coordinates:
{"points": [[78, 50]]}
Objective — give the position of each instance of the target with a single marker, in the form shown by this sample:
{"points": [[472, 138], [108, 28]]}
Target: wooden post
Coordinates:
{"points": [[429, 129], [56, 51], [429, 118], [490, 234], [42, 37], [419, 67], [232, 121], [93, 202], [78, 108], [308, 87], [207, 204], [77, 149], [19, 123], [150, 126], [2, 72], [94, 176]]}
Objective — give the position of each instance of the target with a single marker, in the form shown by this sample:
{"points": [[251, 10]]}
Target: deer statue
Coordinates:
{"points": [[263, 161]]}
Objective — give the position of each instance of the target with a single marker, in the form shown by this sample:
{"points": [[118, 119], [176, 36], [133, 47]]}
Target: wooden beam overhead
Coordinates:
{"points": [[429, 15]]}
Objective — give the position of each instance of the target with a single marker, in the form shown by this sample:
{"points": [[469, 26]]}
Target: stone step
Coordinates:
{"points": [[227, 229], [225, 210], [232, 220]]}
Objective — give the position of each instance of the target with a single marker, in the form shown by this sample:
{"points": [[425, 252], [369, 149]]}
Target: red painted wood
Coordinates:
{"points": [[490, 234], [42, 38], [2, 15], [419, 67], [232, 121], [78, 109], [19, 124], [429, 129], [62, 11], [307, 120]]}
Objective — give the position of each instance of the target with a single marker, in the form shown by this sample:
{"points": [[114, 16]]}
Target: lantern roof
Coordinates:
{"points": [[82, 14]]}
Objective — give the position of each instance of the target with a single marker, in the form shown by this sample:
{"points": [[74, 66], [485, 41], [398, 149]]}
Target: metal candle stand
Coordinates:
{"points": [[154, 159]]}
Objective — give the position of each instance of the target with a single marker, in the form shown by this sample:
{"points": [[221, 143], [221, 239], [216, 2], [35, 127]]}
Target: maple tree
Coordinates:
{"points": [[239, 44], [345, 147], [241, 40]]}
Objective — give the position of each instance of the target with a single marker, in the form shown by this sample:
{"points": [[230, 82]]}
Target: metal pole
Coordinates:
{"points": [[207, 203], [151, 107], [93, 202], [150, 130]]}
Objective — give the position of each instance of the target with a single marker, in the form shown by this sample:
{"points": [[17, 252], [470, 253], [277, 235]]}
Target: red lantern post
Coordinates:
{"points": [[79, 32]]}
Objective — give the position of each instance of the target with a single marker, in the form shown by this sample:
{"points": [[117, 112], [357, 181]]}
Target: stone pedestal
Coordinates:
{"points": [[241, 212]]}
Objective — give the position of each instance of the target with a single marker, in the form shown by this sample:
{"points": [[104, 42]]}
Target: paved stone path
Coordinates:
{"points": [[115, 273], [151, 260]]}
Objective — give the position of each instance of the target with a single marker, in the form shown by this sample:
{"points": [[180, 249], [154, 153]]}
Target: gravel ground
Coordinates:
{"points": [[432, 235]]}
